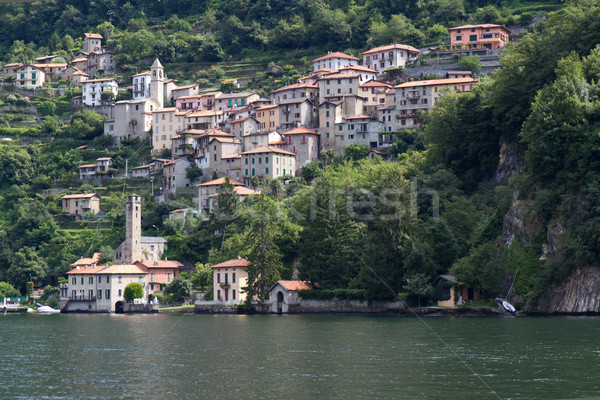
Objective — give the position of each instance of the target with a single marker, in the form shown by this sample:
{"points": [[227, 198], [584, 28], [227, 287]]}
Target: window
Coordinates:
{"points": [[233, 294], [91, 280], [266, 160], [340, 128], [169, 277], [218, 295], [74, 281], [253, 160], [459, 37], [233, 277], [246, 161], [107, 281], [120, 280], [472, 38], [260, 160], [99, 294], [120, 292], [82, 280]]}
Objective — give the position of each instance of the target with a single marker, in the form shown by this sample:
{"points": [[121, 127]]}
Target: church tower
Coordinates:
{"points": [[131, 250], [157, 82]]}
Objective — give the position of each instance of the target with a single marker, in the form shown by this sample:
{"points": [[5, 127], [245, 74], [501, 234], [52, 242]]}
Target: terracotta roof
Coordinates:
{"points": [[337, 75], [459, 72], [392, 46], [295, 285], [237, 121], [88, 166], [80, 59], [335, 54], [435, 82], [236, 262], [79, 269], [358, 116], [191, 96], [172, 162], [236, 95], [267, 107], [221, 181], [165, 110], [296, 86], [277, 142], [300, 131], [141, 166], [87, 261], [141, 73], [51, 65], [241, 190], [80, 196], [160, 263], [179, 210], [104, 159], [123, 269], [224, 139], [374, 83], [93, 35], [184, 87], [231, 157], [450, 278], [268, 149], [204, 114], [80, 73], [478, 26], [82, 147], [358, 68]]}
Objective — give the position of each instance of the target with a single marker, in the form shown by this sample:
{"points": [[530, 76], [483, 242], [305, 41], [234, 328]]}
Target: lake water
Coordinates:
{"points": [[297, 357]]}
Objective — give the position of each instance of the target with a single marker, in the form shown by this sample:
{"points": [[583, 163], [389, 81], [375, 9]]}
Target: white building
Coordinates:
{"points": [[392, 56], [91, 90], [334, 61], [29, 76]]}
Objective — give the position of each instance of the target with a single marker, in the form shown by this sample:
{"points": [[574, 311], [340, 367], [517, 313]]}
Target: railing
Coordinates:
{"points": [[413, 95], [85, 298]]}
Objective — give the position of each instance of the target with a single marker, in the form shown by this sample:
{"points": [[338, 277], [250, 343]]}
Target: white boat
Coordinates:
{"points": [[47, 310]]}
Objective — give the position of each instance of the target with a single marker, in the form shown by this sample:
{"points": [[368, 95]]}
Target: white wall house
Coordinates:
{"points": [[394, 55], [91, 90], [334, 61]]}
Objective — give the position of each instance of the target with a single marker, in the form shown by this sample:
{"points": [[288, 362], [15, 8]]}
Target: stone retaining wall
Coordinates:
{"points": [[217, 309]]}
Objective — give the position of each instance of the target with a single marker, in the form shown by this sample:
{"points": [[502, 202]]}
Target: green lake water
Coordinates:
{"points": [[297, 357]]}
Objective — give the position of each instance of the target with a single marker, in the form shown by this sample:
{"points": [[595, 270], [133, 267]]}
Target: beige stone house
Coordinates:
{"points": [[79, 204], [267, 162], [208, 189], [229, 278], [267, 117], [304, 143]]}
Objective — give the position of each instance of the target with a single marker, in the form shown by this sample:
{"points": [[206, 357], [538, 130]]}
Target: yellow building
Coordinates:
{"points": [[267, 162], [267, 117], [229, 278]]}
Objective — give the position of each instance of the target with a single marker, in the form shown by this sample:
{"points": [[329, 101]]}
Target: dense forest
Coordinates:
{"points": [[362, 228], [210, 31]]}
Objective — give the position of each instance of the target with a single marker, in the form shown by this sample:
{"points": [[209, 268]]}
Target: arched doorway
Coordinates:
{"points": [[279, 302], [119, 307]]}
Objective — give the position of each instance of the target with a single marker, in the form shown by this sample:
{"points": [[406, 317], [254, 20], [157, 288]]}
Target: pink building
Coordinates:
{"points": [[159, 273], [485, 36]]}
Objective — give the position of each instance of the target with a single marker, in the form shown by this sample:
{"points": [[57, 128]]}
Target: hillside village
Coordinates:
{"points": [[238, 136]]}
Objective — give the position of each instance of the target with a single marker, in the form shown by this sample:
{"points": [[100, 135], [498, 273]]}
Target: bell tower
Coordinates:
{"points": [[157, 82], [132, 247]]}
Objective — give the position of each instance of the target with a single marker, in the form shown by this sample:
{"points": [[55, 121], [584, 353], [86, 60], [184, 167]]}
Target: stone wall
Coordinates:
{"points": [[346, 306], [80, 306], [217, 309]]}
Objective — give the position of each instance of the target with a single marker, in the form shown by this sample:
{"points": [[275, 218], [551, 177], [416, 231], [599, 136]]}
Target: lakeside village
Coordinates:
{"points": [[236, 137]]}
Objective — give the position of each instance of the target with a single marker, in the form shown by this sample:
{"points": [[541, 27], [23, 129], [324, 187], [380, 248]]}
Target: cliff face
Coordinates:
{"points": [[579, 294]]}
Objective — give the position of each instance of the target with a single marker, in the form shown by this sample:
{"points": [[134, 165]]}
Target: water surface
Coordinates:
{"points": [[297, 357]]}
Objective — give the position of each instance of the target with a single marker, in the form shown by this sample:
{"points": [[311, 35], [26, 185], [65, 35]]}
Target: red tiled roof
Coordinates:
{"points": [[295, 86], [335, 54], [268, 149], [99, 80], [295, 285], [159, 264], [358, 68], [80, 196], [358, 116], [337, 75], [184, 87], [93, 35], [221, 181], [88, 166], [267, 107], [231, 157], [124, 269], [277, 142], [374, 83], [236, 262], [86, 270], [300, 131], [87, 261], [392, 46]]}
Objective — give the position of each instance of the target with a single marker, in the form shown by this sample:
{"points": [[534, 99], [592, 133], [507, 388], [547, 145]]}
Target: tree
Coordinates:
{"points": [[26, 266], [355, 152], [107, 96], [202, 277], [311, 171], [469, 63], [263, 254], [193, 172], [8, 290], [133, 290], [179, 289], [227, 202]]}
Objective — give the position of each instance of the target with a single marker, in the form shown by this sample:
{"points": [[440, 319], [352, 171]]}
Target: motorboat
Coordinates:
{"points": [[47, 310]]}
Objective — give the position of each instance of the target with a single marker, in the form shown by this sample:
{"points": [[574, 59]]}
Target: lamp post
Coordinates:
{"points": [[154, 226]]}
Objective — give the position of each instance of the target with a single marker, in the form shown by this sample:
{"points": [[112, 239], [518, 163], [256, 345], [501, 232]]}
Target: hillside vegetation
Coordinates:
{"points": [[544, 102]]}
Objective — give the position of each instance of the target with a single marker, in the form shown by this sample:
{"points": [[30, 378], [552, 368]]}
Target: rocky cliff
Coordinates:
{"points": [[579, 294]]}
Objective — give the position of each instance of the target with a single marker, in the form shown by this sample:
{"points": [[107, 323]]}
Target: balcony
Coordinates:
{"points": [[411, 114], [224, 284], [413, 95], [286, 111]]}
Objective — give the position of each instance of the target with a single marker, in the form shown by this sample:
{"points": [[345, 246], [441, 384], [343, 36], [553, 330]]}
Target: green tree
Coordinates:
{"points": [[26, 265], [202, 277], [262, 251], [193, 172], [469, 63], [133, 290], [179, 289], [8, 290], [355, 152], [107, 96]]}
